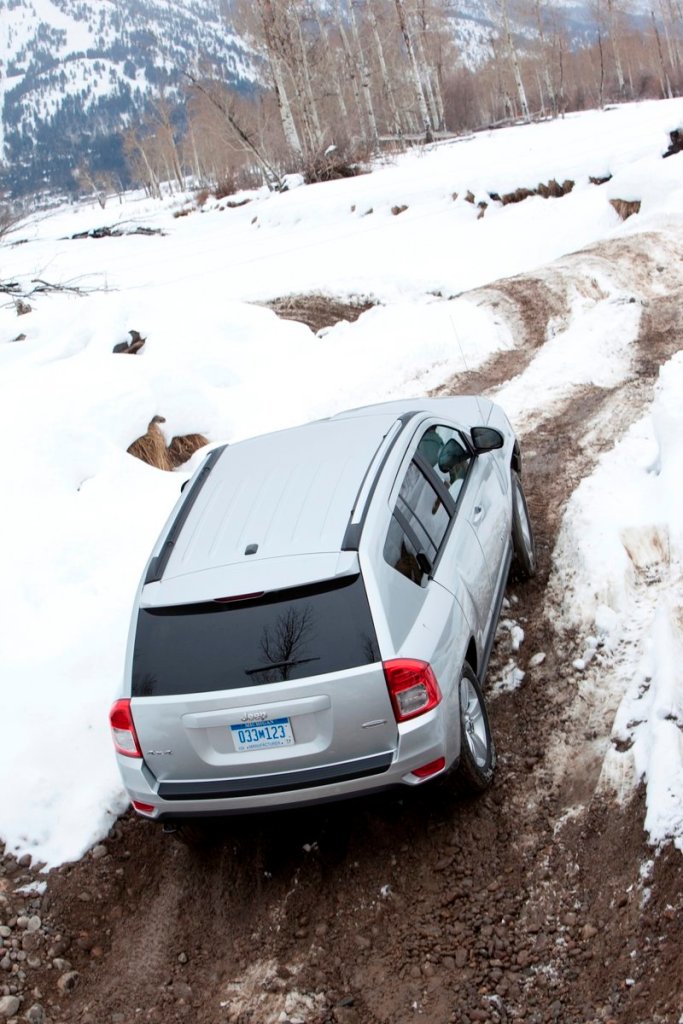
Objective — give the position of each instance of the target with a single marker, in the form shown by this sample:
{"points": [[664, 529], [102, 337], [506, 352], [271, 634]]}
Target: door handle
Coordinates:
{"points": [[477, 513]]}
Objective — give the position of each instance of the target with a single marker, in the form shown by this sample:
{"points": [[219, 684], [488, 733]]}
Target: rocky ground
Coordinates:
{"points": [[538, 902]]}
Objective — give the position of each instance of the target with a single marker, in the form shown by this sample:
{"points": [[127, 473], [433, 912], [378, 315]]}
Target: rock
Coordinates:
{"points": [[67, 982], [36, 1014], [32, 941], [589, 931], [33, 923], [182, 958], [99, 851], [59, 947], [9, 1006]]}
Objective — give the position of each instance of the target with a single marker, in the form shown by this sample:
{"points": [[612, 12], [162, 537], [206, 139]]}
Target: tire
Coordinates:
{"points": [[477, 762], [523, 544]]}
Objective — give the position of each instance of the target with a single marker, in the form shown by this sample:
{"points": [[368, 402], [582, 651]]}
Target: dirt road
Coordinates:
{"points": [[531, 904]]}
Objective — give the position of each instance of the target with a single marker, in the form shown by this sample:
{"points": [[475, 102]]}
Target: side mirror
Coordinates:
{"points": [[486, 439]]}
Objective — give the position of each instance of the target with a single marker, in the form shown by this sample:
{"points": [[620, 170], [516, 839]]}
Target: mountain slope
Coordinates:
{"points": [[72, 72]]}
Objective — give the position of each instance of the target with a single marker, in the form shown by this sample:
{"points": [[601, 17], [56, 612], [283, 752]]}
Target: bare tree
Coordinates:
{"points": [[514, 60], [217, 97], [364, 77], [266, 12], [387, 86], [414, 69]]}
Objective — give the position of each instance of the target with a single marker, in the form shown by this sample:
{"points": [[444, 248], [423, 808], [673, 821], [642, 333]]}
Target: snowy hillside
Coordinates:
{"points": [[70, 70], [79, 514]]}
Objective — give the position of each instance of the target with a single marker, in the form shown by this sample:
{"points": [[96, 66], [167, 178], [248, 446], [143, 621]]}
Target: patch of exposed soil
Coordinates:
{"points": [[530, 904], [318, 311]]}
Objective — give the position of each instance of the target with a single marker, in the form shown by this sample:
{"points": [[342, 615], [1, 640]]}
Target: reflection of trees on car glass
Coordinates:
{"points": [[400, 553], [147, 686], [370, 649], [285, 644]]}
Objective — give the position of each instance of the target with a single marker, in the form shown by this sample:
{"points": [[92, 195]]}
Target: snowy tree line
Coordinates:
{"points": [[351, 78]]}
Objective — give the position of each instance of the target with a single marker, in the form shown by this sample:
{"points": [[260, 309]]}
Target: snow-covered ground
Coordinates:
{"points": [[79, 515]]}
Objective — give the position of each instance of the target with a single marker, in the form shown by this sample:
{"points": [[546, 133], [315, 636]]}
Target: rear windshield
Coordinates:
{"points": [[290, 634]]}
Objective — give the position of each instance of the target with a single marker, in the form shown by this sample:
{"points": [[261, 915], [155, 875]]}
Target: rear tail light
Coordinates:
{"points": [[412, 687], [123, 729]]}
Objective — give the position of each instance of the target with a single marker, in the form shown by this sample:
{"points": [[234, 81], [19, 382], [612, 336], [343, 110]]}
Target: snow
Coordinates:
{"points": [[79, 515], [619, 561]]}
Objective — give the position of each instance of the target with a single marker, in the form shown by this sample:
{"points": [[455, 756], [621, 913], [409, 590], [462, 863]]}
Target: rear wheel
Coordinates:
{"points": [[523, 544], [474, 773]]}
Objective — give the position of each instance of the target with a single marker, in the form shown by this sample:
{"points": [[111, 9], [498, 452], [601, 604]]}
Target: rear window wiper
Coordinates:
{"points": [[278, 664]]}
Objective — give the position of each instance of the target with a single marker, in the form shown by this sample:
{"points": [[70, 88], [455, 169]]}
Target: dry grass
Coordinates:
{"points": [[152, 449], [625, 209], [184, 446], [318, 311]]}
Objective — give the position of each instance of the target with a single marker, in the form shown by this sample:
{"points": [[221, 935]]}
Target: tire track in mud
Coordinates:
{"points": [[509, 907]]}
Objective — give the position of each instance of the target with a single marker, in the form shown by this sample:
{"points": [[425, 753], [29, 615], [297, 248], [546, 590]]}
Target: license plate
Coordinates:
{"points": [[276, 732]]}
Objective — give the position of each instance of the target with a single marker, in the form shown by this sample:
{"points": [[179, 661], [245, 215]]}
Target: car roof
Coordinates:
{"points": [[288, 493], [294, 495]]}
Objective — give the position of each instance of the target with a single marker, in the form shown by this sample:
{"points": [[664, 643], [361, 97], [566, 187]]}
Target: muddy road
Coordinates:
{"points": [[530, 904]]}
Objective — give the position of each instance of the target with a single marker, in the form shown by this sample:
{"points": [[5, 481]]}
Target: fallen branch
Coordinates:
{"points": [[40, 287], [47, 286]]}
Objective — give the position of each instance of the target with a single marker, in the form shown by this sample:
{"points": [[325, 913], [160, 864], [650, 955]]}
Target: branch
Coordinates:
{"points": [[273, 179]]}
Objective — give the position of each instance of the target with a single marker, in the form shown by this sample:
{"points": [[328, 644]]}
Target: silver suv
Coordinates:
{"points": [[317, 616]]}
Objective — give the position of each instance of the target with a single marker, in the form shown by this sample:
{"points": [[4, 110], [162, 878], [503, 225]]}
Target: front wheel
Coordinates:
{"points": [[523, 544], [474, 773]]}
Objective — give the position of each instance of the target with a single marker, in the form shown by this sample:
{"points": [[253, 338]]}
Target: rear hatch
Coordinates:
{"points": [[261, 692]]}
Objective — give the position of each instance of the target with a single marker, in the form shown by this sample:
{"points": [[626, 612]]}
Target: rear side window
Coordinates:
{"points": [[418, 524], [283, 636], [422, 510]]}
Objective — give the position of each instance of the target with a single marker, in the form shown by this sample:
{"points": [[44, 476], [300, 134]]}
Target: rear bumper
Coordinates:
{"points": [[421, 742]]}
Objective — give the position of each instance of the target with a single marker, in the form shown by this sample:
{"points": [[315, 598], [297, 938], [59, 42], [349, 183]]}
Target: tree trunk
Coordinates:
{"points": [[672, 36], [514, 61], [307, 90], [433, 86], [547, 77], [664, 77], [364, 78], [333, 78], [621, 82], [414, 70], [353, 77], [386, 81], [288, 126]]}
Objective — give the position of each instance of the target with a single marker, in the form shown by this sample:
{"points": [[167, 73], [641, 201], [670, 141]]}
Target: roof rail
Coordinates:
{"points": [[354, 529], [155, 569]]}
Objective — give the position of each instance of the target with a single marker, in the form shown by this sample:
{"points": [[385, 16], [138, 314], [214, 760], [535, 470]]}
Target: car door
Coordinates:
{"points": [[463, 485]]}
